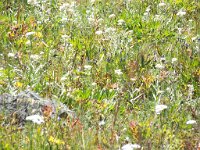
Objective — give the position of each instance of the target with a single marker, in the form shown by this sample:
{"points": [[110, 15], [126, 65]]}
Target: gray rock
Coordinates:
{"points": [[28, 103]]}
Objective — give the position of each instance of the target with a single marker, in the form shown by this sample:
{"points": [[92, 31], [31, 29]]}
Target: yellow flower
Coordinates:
{"points": [[198, 72], [39, 34], [56, 141], [6, 146], [2, 83], [148, 79], [18, 84]]}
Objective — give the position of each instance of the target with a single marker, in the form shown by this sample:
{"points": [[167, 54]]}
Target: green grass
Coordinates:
{"points": [[156, 50]]}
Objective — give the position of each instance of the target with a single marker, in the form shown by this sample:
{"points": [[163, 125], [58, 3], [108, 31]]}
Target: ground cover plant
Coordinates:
{"points": [[128, 68]]}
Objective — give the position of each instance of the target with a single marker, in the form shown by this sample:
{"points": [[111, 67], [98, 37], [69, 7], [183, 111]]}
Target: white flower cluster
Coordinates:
{"points": [[160, 108], [35, 119], [130, 146]]}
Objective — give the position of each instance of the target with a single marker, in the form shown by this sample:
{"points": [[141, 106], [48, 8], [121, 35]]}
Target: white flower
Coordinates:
{"points": [[157, 18], [159, 66], [92, 1], [162, 59], [99, 32], [174, 60], [35, 119], [34, 57], [71, 10], [193, 38], [179, 30], [133, 79], [108, 30], [181, 13], [130, 146], [102, 122], [29, 34], [112, 16], [190, 90], [91, 20], [191, 122], [118, 72], [32, 2], [1, 71], [120, 22], [64, 77], [160, 108], [65, 36], [28, 42], [11, 55], [146, 13], [94, 83], [87, 67], [160, 92], [64, 19], [148, 9], [64, 6], [127, 138], [168, 89], [161, 4], [129, 32], [100, 20]]}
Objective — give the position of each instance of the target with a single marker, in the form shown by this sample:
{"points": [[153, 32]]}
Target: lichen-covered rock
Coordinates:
{"points": [[28, 103]]}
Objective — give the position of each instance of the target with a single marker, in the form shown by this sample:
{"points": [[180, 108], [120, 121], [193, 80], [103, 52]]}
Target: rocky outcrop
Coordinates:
{"points": [[28, 103]]}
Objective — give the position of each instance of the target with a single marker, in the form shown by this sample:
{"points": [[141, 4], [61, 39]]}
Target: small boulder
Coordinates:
{"points": [[28, 103]]}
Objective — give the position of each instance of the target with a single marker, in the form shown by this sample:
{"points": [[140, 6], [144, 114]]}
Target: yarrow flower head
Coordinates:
{"points": [[28, 42], [88, 67], [120, 22], [118, 72], [174, 60], [64, 6], [102, 122], [29, 34], [32, 2], [92, 1], [181, 13], [34, 57], [110, 29], [64, 19], [11, 55], [161, 4], [191, 122], [100, 20], [159, 66], [160, 108], [148, 9], [112, 16], [94, 83], [157, 18], [130, 146], [99, 32], [35, 119]]}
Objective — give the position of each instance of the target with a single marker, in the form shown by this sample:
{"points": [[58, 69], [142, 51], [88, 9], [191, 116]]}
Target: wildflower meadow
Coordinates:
{"points": [[129, 69]]}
